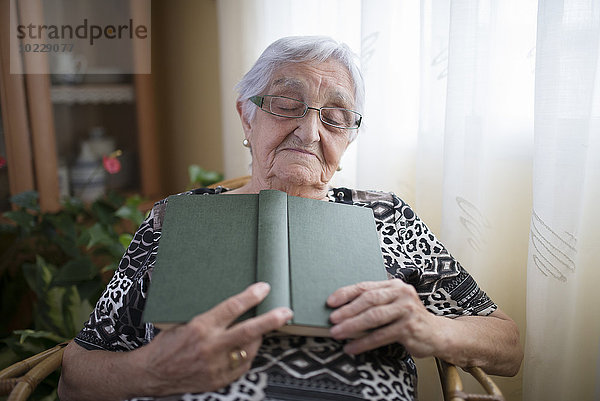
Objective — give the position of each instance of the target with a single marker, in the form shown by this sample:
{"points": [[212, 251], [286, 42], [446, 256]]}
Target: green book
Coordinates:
{"points": [[214, 246]]}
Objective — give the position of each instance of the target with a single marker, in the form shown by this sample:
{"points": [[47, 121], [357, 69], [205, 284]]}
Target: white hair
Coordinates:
{"points": [[297, 49]]}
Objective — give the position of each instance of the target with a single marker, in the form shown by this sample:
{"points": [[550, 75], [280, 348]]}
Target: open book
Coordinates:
{"points": [[214, 246]]}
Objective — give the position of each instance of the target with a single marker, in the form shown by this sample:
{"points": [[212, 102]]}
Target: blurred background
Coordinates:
{"points": [[483, 115]]}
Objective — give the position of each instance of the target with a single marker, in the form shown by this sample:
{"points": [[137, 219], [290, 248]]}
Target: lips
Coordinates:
{"points": [[300, 150]]}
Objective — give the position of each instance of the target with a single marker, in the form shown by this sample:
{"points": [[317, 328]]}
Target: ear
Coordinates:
{"points": [[245, 124]]}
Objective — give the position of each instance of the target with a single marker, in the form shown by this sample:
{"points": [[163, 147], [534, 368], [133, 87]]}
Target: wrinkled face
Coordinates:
{"points": [[301, 151]]}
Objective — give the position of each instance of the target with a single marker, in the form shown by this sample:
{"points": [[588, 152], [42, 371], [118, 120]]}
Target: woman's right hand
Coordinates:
{"points": [[197, 357]]}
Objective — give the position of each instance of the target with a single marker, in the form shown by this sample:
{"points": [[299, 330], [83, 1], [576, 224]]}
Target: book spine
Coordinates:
{"points": [[272, 258]]}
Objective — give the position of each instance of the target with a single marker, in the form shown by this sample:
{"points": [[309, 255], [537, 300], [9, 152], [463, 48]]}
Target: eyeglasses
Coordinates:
{"points": [[282, 106]]}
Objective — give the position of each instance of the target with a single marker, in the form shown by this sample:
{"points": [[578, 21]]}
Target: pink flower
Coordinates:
{"points": [[111, 164]]}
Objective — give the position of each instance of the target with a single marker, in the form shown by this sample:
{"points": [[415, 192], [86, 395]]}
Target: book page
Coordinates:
{"points": [[331, 245], [207, 253]]}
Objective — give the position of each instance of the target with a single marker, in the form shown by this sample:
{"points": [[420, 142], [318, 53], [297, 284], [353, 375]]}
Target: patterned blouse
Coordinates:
{"points": [[293, 367]]}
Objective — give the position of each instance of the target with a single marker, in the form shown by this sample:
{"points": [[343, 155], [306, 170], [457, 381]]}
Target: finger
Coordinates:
{"points": [[233, 307], [245, 352], [377, 338], [232, 364], [346, 294], [372, 318], [366, 300], [254, 328], [245, 339]]}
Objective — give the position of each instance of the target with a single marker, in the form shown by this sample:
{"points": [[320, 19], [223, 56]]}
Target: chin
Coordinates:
{"points": [[299, 176]]}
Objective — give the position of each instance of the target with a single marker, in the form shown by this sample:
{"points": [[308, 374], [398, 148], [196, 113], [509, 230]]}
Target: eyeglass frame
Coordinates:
{"points": [[259, 100]]}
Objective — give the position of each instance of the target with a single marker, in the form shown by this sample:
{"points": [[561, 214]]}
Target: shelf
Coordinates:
{"points": [[92, 94]]}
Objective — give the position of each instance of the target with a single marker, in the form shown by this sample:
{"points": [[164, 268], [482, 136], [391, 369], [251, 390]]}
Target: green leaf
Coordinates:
{"points": [[113, 250], [103, 212], [115, 199], [125, 239], [27, 348], [26, 200], [76, 311], [110, 267], [73, 206], [28, 333], [51, 313], [62, 231], [38, 275], [131, 213], [30, 272], [117, 250], [194, 172], [25, 343], [67, 245], [134, 201], [63, 223], [200, 176], [98, 235], [47, 270], [84, 238], [210, 177], [90, 290], [74, 271], [24, 220]]}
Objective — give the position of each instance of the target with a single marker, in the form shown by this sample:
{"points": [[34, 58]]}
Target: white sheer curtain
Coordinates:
{"points": [[563, 310], [449, 126], [475, 145]]}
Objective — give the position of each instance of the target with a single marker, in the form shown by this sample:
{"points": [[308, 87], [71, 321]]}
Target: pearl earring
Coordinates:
{"points": [[246, 143]]}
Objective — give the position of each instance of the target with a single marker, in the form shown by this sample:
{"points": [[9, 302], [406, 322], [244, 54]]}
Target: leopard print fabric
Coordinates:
{"points": [[303, 368]]}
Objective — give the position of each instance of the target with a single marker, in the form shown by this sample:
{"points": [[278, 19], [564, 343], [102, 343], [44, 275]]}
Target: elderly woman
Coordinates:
{"points": [[300, 108]]}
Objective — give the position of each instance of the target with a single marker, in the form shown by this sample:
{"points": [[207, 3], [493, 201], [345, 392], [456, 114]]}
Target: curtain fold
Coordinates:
{"points": [[563, 313], [487, 149]]}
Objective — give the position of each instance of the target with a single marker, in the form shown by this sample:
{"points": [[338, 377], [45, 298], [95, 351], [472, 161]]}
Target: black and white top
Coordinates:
{"points": [[303, 368]]}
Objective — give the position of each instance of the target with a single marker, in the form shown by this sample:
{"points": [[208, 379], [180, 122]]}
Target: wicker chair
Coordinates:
{"points": [[20, 379]]}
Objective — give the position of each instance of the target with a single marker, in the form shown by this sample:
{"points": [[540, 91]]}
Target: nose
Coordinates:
{"points": [[308, 127]]}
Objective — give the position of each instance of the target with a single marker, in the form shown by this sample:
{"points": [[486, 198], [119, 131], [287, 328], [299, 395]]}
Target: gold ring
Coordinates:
{"points": [[236, 357]]}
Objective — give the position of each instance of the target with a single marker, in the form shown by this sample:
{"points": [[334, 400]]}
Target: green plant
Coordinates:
{"points": [[54, 267], [200, 177]]}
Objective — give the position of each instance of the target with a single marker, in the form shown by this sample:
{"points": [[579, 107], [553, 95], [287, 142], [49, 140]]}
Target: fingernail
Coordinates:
{"points": [[331, 300], [286, 313], [334, 330], [262, 288]]}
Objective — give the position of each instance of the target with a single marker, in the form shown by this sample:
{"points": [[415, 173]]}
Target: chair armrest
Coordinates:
{"points": [[452, 386], [20, 379]]}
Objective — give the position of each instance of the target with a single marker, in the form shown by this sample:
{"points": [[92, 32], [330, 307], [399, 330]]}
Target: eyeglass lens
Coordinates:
{"points": [[286, 107]]}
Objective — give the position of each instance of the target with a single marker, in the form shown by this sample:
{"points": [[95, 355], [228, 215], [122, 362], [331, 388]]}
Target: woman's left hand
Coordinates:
{"points": [[387, 311]]}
